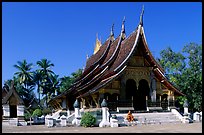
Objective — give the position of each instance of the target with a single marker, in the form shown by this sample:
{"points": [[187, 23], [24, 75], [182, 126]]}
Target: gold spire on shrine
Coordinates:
{"points": [[97, 45]]}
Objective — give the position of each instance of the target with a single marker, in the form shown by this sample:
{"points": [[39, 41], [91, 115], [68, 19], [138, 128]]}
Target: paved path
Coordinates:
{"points": [[163, 128]]}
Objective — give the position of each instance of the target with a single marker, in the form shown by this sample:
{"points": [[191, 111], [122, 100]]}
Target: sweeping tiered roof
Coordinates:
{"points": [[111, 60], [7, 93]]}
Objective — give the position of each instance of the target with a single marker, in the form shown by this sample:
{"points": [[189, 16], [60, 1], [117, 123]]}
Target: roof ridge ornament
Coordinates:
{"points": [[97, 44], [123, 28], [123, 25], [87, 56], [112, 33], [141, 16]]}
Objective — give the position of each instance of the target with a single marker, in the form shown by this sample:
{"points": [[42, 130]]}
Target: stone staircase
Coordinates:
{"points": [[14, 122], [150, 118]]}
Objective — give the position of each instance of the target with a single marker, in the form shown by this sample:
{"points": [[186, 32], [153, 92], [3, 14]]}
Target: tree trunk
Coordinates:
{"points": [[38, 94], [46, 100]]}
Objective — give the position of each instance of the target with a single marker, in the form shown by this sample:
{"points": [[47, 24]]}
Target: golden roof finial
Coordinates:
{"points": [[97, 45]]}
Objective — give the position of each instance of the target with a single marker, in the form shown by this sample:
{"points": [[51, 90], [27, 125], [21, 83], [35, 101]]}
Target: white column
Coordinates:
{"points": [[20, 110], [185, 110], [77, 118], [63, 121], [50, 122], [185, 106], [6, 110], [64, 103], [153, 86], [186, 114], [154, 96], [104, 122], [68, 112]]}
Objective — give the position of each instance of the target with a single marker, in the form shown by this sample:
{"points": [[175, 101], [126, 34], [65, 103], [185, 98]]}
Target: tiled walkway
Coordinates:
{"points": [[163, 128]]}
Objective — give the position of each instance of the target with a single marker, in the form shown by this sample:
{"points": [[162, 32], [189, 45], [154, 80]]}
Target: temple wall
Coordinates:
{"points": [[6, 110], [137, 74], [20, 110]]}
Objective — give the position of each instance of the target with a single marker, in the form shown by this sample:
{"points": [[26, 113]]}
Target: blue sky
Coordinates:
{"points": [[65, 32]]}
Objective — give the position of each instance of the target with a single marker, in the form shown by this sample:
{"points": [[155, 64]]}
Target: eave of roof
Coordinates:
{"points": [[112, 56], [12, 91], [120, 64], [152, 59], [165, 81]]}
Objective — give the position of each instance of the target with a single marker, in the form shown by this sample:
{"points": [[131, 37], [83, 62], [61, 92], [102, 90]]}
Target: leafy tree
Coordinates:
{"points": [[67, 81], [193, 75], [185, 71], [173, 63], [37, 112]]}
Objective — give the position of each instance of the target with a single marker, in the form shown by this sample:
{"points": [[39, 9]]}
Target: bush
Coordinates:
{"points": [[37, 112], [27, 116], [87, 120]]}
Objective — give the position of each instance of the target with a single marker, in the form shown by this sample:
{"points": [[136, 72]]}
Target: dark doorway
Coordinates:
{"points": [[164, 101], [143, 91], [131, 89], [112, 100], [13, 111]]}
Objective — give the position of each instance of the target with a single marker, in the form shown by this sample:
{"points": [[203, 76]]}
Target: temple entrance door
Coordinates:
{"points": [[111, 100], [143, 91], [164, 101], [13, 111], [131, 91]]}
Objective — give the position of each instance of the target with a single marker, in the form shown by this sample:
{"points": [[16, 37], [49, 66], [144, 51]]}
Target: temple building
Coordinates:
{"points": [[12, 106], [124, 72]]}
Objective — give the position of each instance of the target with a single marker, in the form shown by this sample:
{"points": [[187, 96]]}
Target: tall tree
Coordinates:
{"points": [[46, 72], [45, 66], [37, 78], [192, 85], [23, 80], [173, 63], [185, 71], [54, 85], [24, 74]]}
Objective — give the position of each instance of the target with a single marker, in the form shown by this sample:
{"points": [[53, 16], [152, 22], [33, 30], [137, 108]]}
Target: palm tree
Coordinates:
{"points": [[24, 74], [37, 78], [54, 85], [45, 66], [46, 73]]}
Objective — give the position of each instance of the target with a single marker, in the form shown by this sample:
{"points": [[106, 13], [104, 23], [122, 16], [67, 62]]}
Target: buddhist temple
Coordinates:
{"points": [[12, 106], [124, 72]]}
